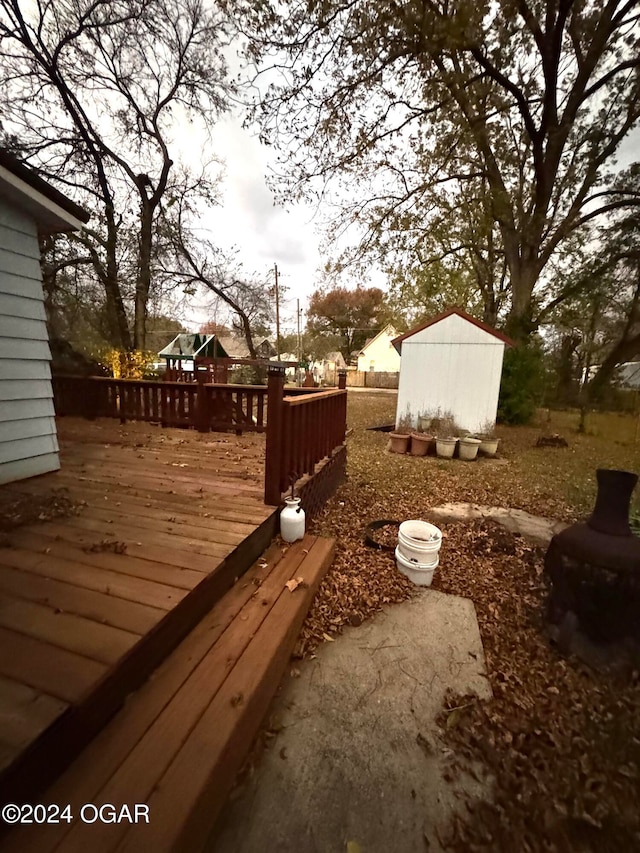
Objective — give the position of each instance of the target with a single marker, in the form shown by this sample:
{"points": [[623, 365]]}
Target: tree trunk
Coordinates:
{"points": [[622, 352], [143, 282], [627, 348], [246, 329], [117, 319], [566, 388], [520, 322], [490, 308]]}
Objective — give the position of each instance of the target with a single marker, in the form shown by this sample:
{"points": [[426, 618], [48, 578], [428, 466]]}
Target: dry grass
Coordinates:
{"points": [[561, 742]]}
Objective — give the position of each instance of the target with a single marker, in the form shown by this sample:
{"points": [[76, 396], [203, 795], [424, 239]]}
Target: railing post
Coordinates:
{"points": [[122, 395], [91, 398], [202, 419], [342, 379], [273, 453]]}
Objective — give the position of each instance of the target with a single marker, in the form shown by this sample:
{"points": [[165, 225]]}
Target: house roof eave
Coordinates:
{"points": [[52, 211], [397, 342]]}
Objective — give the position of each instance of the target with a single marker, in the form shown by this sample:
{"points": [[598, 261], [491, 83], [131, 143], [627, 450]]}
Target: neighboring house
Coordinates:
{"points": [[289, 372], [29, 207], [265, 348], [379, 354], [330, 365], [235, 346], [628, 375], [451, 368], [335, 361]]}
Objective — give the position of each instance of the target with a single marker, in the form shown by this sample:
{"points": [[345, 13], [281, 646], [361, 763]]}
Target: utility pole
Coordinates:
{"points": [[299, 339], [275, 267]]}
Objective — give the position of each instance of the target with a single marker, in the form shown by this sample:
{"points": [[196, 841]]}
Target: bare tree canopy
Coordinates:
{"points": [[94, 91], [408, 104]]}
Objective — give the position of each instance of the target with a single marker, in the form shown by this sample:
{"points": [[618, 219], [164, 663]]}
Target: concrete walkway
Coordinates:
{"points": [[359, 764], [534, 527]]}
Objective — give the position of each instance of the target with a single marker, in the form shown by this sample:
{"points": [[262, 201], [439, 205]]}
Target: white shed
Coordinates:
{"points": [[451, 368], [29, 206]]}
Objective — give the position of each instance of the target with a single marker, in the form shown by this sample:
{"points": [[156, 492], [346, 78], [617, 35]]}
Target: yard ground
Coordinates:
{"points": [[560, 741]]}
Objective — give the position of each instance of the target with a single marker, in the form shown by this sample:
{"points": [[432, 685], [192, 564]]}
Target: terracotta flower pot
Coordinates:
{"points": [[420, 443], [399, 442]]}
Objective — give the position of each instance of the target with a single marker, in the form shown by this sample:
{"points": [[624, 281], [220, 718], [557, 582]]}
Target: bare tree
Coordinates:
{"points": [[191, 259], [405, 103], [95, 90]]}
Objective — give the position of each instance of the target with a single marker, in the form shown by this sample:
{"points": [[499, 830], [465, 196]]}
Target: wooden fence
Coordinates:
{"points": [[372, 379], [173, 404], [303, 429]]}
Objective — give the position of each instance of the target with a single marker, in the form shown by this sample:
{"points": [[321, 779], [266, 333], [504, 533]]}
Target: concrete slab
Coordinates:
{"points": [[359, 757], [535, 527]]}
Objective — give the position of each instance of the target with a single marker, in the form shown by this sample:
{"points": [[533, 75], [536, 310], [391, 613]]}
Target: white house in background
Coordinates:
{"points": [[29, 207], [627, 375], [451, 367], [379, 353], [331, 364]]}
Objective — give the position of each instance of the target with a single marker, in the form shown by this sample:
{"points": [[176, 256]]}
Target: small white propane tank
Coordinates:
{"points": [[292, 520]]}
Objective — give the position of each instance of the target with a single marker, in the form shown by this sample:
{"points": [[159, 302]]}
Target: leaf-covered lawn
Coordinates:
{"points": [[561, 742]]}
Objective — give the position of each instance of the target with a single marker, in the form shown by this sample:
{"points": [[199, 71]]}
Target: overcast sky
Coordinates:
{"points": [[264, 233], [248, 219]]}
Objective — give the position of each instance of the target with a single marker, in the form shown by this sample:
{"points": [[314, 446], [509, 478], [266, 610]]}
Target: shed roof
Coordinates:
{"points": [[235, 346], [187, 345], [52, 210], [397, 342]]}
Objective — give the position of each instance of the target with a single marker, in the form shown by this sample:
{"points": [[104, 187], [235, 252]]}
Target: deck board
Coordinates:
{"points": [[180, 739], [81, 547], [24, 713], [163, 522], [65, 630], [105, 581], [99, 761], [128, 615], [50, 669]]}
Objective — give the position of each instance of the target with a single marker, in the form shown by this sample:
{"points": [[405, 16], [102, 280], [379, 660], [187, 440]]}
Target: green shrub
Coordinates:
{"points": [[522, 384]]}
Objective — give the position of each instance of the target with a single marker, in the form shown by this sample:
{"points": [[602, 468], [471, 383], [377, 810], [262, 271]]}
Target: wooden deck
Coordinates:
{"points": [[179, 741], [162, 523]]}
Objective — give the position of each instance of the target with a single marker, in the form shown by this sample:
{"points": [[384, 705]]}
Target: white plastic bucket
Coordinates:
{"points": [[419, 541], [489, 446], [418, 573], [445, 447], [468, 448]]}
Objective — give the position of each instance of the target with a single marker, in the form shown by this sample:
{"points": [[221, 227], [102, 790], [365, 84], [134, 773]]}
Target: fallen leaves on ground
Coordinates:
{"points": [[18, 509], [560, 742], [111, 546]]}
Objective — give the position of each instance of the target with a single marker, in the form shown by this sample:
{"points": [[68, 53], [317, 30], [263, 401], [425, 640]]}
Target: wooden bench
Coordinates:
{"points": [[179, 741]]}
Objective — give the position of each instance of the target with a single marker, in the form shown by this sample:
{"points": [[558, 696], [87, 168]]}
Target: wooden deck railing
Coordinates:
{"points": [[174, 404], [302, 430]]}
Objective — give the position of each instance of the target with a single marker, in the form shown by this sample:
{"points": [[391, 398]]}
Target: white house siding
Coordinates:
{"points": [[380, 354], [28, 442], [451, 368]]}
